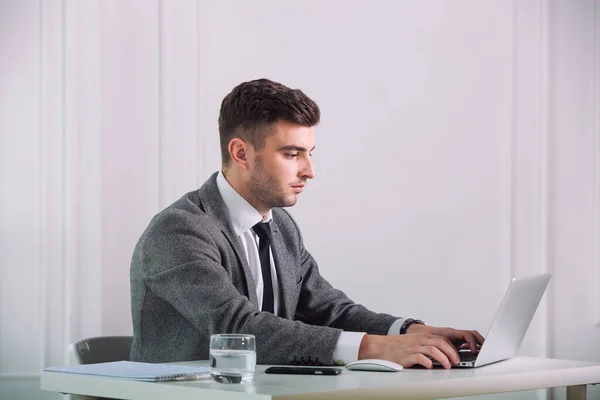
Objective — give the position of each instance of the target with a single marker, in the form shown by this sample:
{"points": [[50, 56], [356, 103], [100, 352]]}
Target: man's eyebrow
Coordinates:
{"points": [[295, 148]]}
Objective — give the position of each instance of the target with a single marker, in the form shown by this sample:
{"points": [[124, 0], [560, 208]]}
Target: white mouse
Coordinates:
{"points": [[373, 364]]}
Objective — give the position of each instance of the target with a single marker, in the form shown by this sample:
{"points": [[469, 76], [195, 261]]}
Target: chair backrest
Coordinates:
{"points": [[100, 349]]}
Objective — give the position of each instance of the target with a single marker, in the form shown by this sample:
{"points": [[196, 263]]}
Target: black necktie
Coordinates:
{"points": [[263, 230]]}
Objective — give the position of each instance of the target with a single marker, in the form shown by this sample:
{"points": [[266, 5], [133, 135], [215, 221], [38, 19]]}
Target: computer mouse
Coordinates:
{"points": [[373, 364]]}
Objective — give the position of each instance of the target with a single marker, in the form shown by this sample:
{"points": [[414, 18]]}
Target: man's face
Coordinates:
{"points": [[280, 170]]}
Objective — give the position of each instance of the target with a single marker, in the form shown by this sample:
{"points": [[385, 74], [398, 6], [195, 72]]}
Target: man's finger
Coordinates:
{"points": [[417, 358], [463, 336], [445, 347], [480, 339], [448, 339], [438, 355], [470, 340]]}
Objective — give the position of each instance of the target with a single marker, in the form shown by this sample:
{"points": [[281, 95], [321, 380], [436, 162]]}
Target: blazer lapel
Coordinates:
{"points": [[235, 242], [286, 275], [215, 206]]}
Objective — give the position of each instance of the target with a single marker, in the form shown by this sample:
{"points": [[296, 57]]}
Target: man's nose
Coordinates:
{"points": [[308, 171]]}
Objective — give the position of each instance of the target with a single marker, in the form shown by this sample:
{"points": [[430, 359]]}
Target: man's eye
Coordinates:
{"points": [[292, 155]]}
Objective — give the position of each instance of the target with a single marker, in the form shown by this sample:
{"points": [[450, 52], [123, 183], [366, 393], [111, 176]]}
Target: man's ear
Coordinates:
{"points": [[238, 150]]}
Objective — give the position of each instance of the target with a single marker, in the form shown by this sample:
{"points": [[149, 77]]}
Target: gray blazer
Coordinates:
{"points": [[190, 278]]}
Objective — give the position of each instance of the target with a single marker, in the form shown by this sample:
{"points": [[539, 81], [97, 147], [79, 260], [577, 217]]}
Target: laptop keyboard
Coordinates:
{"points": [[467, 356]]}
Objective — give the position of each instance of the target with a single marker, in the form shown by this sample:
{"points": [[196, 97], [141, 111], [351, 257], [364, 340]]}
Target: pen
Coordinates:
{"points": [[192, 377]]}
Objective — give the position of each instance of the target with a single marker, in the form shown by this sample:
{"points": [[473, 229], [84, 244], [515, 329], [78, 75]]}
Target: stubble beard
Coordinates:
{"points": [[265, 190]]}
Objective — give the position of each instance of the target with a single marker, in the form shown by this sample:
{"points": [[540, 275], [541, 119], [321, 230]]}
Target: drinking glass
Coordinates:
{"points": [[232, 357]]}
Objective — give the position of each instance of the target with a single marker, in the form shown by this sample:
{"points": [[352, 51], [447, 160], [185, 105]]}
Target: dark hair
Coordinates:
{"points": [[252, 109]]}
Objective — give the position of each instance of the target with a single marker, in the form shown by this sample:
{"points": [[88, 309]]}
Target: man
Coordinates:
{"points": [[228, 258]]}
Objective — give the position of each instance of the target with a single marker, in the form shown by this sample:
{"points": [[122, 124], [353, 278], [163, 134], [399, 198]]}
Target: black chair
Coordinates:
{"points": [[100, 349]]}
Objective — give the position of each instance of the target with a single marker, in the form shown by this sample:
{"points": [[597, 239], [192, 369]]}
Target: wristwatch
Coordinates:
{"points": [[408, 322]]}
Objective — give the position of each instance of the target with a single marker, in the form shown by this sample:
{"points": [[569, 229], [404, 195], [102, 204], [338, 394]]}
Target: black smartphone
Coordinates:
{"points": [[303, 370]]}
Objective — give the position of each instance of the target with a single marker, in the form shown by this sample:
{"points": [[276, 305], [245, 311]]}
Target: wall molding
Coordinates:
{"points": [[84, 104], [70, 203], [162, 173], [547, 304], [530, 173], [596, 160], [512, 153], [44, 245], [70, 175], [52, 165]]}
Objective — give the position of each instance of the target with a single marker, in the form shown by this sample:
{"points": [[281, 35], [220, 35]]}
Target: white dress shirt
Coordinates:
{"points": [[243, 217]]}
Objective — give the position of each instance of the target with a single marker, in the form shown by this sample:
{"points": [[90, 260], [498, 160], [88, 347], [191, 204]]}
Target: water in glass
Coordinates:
{"points": [[232, 358], [232, 366]]}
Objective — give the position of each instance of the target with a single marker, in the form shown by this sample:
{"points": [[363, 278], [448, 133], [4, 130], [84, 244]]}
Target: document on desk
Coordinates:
{"points": [[137, 371]]}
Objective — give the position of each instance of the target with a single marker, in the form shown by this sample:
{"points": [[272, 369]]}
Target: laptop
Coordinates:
{"points": [[510, 323]]}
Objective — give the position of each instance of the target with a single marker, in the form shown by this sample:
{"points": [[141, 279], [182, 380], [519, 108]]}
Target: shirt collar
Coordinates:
{"points": [[243, 215]]}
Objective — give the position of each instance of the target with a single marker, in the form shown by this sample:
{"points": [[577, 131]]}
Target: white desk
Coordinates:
{"points": [[516, 374]]}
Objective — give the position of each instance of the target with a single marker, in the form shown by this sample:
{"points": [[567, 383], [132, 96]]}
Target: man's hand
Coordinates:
{"points": [[420, 345], [459, 338]]}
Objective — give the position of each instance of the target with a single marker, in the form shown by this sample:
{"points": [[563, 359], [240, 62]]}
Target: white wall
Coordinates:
{"points": [[20, 190], [459, 144], [574, 187]]}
